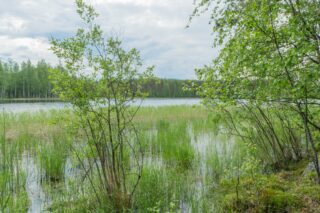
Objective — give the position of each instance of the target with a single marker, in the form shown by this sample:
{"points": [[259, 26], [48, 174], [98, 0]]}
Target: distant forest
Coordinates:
{"points": [[27, 80]]}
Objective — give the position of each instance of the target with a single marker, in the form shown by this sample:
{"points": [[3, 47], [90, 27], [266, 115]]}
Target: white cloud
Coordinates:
{"points": [[24, 48], [11, 24], [155, 27], [145, 3]]}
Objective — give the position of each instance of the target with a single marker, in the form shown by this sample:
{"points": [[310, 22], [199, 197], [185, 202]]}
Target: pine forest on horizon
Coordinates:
{"points": [[28, 80]]}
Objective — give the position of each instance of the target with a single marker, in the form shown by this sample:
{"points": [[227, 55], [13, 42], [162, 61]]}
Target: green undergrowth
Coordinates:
{"points": [[284, 191]]}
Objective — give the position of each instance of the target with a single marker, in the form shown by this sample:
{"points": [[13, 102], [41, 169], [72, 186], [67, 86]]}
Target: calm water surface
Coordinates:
{"points": [[34, 107]]}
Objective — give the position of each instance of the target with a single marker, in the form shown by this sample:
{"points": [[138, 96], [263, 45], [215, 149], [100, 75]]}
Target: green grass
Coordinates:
{"points": [[189, 162], [52, 159], [13, 195], [45, 134]]}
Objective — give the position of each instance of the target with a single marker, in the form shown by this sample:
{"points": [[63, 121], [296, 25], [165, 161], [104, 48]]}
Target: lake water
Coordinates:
{"points": [[34, 107]]}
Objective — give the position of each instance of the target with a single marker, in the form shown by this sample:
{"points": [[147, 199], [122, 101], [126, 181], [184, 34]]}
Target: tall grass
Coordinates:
{"points": [[13, 196], [53, 157], [186, 156]]}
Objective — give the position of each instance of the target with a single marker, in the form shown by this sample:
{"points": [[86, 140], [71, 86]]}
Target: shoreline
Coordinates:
{"points": [[48, 100], [29, 100]]}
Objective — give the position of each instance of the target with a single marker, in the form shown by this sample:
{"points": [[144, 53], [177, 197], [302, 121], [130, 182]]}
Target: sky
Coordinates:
{"points": [[157, 28]]}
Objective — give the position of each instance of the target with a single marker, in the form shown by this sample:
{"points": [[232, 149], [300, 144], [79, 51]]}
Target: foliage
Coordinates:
{"points": [[270, 57], [269, 51], [101, 80]]}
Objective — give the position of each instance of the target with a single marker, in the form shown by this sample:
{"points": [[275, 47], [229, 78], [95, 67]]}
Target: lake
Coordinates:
{"points": [[39, 106]]}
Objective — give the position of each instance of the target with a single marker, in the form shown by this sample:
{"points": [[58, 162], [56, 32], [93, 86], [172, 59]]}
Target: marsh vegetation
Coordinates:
{"points": [[175, 175], [252, 146], [191, 163]]}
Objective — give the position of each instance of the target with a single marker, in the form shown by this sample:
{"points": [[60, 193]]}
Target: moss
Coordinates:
{"points": [[233, 202], [286, 191], [280, 200], [310, 191]]}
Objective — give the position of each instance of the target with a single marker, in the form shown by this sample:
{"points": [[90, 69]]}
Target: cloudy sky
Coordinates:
{"points": [[155, 27]]}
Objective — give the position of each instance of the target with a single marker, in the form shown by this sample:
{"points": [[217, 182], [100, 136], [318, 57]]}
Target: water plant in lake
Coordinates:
{"points": [[52, 157], [203, 180], [180, 154], [13, 196]]}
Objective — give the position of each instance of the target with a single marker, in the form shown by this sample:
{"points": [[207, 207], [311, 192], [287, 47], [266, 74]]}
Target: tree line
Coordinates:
{"points": [[28, 80], [25, 80]]}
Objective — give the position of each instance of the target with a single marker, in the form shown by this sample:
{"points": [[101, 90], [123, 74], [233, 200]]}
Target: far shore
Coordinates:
{"points": [[28, 100], [40, 100]]}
